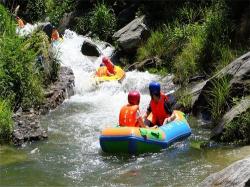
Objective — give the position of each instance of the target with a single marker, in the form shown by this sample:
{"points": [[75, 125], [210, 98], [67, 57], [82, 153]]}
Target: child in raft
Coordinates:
{"points": [[130, 115], [110, 66]]}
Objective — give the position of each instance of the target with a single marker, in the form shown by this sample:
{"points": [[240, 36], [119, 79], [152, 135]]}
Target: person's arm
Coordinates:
{"points": [[169, 119], [139, 119], [147, 113], [140, 122]]}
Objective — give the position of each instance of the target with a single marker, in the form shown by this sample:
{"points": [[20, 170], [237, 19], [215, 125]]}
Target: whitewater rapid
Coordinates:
{"points": [[107, 96]]}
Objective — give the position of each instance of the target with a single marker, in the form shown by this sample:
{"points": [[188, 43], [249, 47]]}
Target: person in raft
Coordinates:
{"points": [[130, 115], [54, 34], [20, 22], [110, 66], [159, 107]]}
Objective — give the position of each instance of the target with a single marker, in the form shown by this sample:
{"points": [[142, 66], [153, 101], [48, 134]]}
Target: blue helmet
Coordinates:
{"points": [[154, 88]]}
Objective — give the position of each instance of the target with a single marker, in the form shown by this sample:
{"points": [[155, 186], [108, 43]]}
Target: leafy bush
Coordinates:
{"points": [[7, 24], [56, 8], [19, 77], [218, 97], [82, 24], [36, 10], [102, 21], [238, 130], [6, 123], [47, 61]]}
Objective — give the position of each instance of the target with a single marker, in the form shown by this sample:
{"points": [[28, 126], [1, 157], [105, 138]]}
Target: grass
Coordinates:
{"points": [[197, 41], [154, 46], [6, 122], [186, 63], [218, 97], [159, 70], [184, 98], [238, 130], [7, 24]]}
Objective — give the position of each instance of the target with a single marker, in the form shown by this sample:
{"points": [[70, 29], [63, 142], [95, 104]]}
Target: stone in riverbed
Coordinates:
{"points": [[130, 36], [90, 49], [237, 174]]}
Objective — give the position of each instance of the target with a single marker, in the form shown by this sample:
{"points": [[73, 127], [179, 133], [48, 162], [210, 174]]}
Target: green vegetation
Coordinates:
{"points": [[55, 9], [19, 76], [7, 24], [197, 41], [238, 130], [6, 123], [184, 98], [155, 46], [185, 64], [217, 97], [36, 9], [102, 21], [48, 64], [22, 75]]}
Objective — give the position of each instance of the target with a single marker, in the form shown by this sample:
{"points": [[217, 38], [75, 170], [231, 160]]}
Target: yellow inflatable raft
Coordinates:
{"points": [[101, 74]]}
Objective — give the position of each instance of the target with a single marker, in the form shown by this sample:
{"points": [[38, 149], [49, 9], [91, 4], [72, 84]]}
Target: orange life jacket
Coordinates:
{"points": [[20, 23], [158, 110], [127, 116], [101, 71], [55, 35]]}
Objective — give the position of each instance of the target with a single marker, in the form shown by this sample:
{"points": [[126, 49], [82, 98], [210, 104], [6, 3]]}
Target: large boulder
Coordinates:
{"points": [[130, 36], [237, 174], [90, 49]]}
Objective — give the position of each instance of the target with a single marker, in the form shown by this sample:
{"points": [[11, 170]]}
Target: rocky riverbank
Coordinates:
{"points": [[27, 124], [237, 174]]}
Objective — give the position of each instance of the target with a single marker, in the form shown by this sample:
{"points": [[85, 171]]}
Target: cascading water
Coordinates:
{"points": [[72, 156]]}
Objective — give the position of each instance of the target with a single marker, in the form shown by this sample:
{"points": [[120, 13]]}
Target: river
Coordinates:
{"points": [[72, 155]]}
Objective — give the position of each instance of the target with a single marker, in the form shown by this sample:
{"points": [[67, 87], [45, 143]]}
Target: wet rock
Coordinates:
{"points": [[130, 36], [90, 49], [27, 126], [65, 21], [237, 174]]}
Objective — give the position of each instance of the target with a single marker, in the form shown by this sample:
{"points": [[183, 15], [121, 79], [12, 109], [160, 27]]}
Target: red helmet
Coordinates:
{"points": [[134, 97], [105, 60]]}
